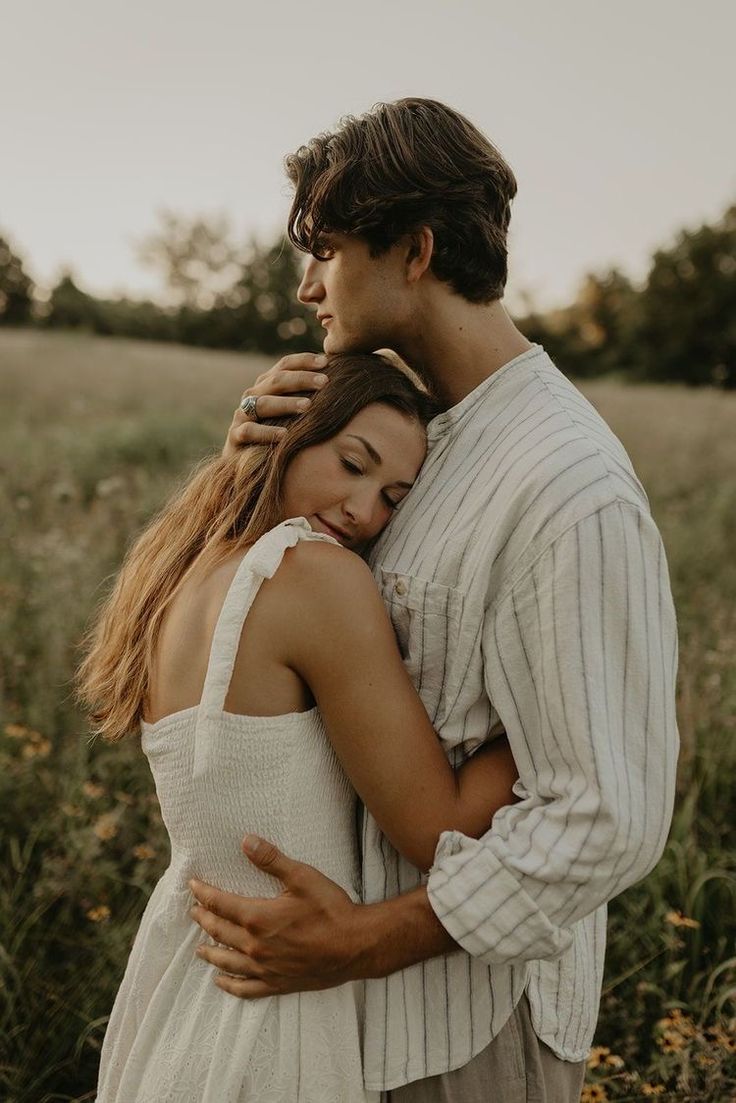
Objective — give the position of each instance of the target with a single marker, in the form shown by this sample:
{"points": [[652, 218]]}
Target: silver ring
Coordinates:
{"points": [[249, 406]]}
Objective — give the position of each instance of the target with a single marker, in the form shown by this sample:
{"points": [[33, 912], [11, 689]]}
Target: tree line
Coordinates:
{"points": [[678, 325]]}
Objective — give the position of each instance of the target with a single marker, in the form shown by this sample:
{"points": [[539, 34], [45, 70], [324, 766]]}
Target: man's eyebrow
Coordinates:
{"points": [[375, 456]]}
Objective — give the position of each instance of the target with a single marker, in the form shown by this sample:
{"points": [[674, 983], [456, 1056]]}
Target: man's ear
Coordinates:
{"points": [[419, 253]]}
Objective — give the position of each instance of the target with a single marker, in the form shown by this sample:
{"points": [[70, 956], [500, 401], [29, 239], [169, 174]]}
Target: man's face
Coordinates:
{"points": [[359, 299]]}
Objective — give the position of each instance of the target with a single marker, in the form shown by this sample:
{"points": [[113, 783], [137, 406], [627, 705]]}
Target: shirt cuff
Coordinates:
{"points": [[485, 909]]}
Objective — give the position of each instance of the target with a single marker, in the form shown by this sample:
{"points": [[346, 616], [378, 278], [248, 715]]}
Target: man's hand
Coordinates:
{"points": [[291, 376], [312, 936], [299, 941]]}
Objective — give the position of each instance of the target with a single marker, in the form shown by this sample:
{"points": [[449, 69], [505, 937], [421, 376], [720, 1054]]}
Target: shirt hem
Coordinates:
{"points": [[415, 1071]]}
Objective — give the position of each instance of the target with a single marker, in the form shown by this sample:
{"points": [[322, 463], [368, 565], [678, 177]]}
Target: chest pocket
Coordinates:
{"points": [[426, 620]]}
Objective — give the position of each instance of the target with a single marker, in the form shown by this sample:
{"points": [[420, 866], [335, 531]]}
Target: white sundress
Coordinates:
{"points": [[173, 1035]]}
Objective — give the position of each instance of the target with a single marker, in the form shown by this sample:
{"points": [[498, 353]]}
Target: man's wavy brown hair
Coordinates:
{"points": [[401, 166]]}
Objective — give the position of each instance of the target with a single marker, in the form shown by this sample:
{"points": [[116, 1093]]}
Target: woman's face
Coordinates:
{"points": [[349, 486]]}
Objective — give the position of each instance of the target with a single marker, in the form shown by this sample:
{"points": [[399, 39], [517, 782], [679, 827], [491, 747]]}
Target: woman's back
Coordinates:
{"points": [[274, 776], [220, 775], [260, 684]]}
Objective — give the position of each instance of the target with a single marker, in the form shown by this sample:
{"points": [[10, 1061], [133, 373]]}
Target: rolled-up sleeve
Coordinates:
{"points": [[580, 661]]}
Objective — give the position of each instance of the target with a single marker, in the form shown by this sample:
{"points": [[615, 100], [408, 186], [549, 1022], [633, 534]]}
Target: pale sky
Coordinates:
{"points": [[615, 117]]}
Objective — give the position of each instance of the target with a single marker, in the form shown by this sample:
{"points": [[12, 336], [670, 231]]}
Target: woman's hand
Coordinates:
{"points": [[290, 376]]}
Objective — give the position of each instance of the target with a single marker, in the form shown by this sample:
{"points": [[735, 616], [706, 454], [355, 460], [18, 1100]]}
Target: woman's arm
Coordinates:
{"points": [[334, 632]]}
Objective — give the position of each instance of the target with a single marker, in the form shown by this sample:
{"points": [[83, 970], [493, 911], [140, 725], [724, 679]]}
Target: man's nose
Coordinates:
{"points": [[310, 289]]}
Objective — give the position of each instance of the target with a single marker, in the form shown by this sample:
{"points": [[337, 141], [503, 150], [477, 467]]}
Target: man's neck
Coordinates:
{"points": [[455, 345]]}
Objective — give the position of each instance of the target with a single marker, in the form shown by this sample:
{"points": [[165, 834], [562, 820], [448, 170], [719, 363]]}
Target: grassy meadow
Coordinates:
{"points": [[93, 435]]}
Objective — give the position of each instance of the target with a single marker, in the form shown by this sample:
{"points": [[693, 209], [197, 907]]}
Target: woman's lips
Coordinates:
{"points": [[332, 531]]}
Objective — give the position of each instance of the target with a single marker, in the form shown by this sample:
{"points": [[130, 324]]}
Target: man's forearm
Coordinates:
{"points": [[396, 933]]}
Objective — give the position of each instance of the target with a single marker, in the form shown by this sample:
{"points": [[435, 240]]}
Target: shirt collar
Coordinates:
{"points": [[443, 423]]}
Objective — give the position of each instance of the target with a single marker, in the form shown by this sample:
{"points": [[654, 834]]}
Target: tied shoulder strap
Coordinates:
{"points": [[260, 562]]}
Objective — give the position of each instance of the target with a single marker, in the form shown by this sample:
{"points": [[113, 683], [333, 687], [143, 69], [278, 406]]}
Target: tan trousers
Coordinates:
{"points": [[515, 1068]]}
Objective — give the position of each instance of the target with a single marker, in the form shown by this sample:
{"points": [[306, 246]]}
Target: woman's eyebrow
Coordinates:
{"points": [[375, 456], [368, 447]]}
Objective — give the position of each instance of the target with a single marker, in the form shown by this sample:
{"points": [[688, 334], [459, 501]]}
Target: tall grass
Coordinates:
{"points": [[93, 435]]}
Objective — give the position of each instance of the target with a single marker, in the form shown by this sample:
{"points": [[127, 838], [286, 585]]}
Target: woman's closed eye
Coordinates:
{"points": [[354, 469]]}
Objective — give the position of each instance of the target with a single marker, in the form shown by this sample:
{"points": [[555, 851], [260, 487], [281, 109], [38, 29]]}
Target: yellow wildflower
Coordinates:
{"points": [[105, 827], [143, 851], [100, 914], [652, 1089], [675, 1020], [677, 919], [594, 1093], [92, 789], [614, 1061], [71, 810], [719, 1037], [671, 1041], [39, 748], [596, 1056], [16, 731], [124, 798]]}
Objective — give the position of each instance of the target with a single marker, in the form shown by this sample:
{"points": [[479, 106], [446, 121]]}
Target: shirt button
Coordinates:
{"points": [[400, 587]]}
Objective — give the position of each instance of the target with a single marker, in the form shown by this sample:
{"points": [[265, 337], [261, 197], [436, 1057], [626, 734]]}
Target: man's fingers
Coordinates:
{"points": [[222, 930], [231, 961], [229, 905], [280, 393], [246, 989], [271, 860], [297, 361], [240, 910], [281, 381], [250, 432], [214, 899], [276, 406]]}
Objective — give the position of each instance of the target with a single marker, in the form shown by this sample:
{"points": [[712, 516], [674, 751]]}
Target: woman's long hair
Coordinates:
{"points": [[227, 504]]}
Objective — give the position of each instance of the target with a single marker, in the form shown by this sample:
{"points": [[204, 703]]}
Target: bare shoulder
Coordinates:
{"points": [[324, 570], [320, 588]]}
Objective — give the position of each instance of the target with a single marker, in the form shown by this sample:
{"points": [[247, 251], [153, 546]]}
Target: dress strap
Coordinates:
{"points": [[260, 562]]}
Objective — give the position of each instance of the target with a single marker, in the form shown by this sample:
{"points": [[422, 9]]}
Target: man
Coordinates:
{"points": [[528, 589]]}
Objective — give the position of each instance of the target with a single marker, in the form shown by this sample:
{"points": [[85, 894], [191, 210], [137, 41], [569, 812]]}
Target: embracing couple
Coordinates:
{"points": [[417, 645]]}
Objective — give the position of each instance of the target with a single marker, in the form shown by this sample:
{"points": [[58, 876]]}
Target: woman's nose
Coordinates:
{"points": [[362, 510], [310, 289]]}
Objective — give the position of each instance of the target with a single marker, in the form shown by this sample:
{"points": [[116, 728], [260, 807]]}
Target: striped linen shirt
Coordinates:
{"points": [[528, 589]]}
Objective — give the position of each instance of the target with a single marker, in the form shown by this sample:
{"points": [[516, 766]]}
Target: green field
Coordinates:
{"points": [[93, 435]]}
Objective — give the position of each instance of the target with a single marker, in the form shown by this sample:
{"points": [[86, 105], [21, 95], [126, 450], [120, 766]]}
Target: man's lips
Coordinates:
{"points": [[323, 319]]}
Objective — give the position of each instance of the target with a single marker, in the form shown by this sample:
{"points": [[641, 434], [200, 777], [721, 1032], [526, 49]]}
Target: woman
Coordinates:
{"points": [[256, 655]]}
